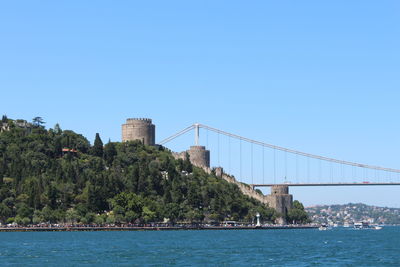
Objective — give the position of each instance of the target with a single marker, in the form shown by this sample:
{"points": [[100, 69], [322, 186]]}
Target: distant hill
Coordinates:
{"points": [[354, 212]]}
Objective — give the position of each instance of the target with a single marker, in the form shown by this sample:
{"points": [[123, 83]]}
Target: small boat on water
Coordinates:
{"points": [[376, 227], [366, 225], [361, 225], [323, 227]]}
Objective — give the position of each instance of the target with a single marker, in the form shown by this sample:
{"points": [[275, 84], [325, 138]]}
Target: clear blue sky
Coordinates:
{"points": [[317, 76]]}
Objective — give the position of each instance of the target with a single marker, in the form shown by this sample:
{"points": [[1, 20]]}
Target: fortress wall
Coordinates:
{"points": [[199, 156], [144, 130], [246, 189], [181, 155], [279, 199]]}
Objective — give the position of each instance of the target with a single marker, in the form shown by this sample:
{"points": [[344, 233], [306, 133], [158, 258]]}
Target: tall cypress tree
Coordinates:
{"points": [[98, 146], [109, 152]]}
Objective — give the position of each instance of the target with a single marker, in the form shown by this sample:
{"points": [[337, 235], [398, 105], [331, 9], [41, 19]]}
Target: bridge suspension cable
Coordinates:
{"points": [[287, 150], [172, 137], [308, 155]]}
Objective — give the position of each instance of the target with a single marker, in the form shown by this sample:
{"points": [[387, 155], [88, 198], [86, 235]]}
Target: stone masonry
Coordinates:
{"points": [[199, 156], [144, 130], [279, 199], [139, 129]]}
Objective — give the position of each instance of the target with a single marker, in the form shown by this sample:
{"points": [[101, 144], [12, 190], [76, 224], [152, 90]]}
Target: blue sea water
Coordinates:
{"points": [[337, 247]]}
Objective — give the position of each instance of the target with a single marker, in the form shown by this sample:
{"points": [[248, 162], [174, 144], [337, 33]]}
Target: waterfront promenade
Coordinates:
{"points": [[55, 228]]}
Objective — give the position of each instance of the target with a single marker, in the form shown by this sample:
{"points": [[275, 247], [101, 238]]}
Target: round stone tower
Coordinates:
{"points": [[139, 129], [279, 190], [199, 156], [281, 201]]}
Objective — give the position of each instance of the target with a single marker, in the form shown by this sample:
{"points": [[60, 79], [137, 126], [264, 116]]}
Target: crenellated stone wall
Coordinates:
{"points": [[279, 199], [144, 130], [199, 156]]}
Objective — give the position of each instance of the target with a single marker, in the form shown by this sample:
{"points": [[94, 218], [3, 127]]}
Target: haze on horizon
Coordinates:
{"points": [[319, 77]]}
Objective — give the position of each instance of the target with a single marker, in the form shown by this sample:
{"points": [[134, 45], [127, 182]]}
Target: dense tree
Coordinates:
{"points": [[97, 149], [109, 152], [187, 166], [297, 214], [129, 182], [38, 121], [5, 212], [57, 129]]}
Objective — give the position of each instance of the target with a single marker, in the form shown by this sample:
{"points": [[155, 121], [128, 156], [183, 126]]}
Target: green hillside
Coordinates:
{"points": [[58, 176]]}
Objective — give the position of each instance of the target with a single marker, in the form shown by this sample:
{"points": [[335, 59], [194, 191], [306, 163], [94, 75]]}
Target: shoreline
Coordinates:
{"points": [[150, 228]]}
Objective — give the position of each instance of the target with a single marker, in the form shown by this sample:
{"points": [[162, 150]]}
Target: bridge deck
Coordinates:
{"points": [[324, 184]]}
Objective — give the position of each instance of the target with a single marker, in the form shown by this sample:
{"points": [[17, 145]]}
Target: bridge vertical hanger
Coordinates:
{"points": [[240, 155], [357, 172], [263, 165], [274, 166], [219, 164], [229, 154], [252, 174]]}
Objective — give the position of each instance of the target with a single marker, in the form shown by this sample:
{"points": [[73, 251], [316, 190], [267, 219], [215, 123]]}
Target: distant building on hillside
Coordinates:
{"points": [[6, 126]]}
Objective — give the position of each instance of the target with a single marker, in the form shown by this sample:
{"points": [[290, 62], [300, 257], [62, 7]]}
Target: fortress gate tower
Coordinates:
{"points": [[139, 129], [199, 156]]}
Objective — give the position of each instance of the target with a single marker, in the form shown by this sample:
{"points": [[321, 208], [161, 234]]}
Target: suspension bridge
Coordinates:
{"points": [[261, 164], [251, 164]]}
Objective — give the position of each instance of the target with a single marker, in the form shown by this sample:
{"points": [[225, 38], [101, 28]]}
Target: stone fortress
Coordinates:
{"points": [[142, 129], [199, 156], [139, 129]]}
